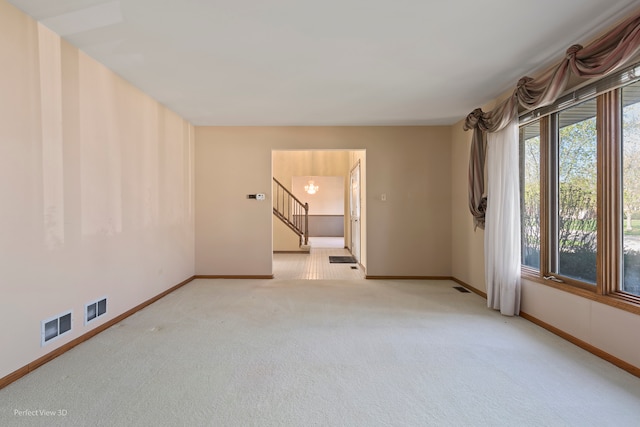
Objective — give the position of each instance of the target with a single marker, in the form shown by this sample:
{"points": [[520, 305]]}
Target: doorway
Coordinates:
{"points": [[315, 165]]}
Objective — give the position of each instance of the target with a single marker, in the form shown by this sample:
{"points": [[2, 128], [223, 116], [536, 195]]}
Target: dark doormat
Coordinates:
{"points": [[342, 260]]}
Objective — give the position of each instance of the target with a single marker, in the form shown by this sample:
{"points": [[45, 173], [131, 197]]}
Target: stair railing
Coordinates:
{"points": [[290, 210]]}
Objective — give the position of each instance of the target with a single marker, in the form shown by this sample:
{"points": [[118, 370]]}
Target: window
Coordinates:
{"points": [[574, 146], [530, 191], [631, 188], [580, 191]]}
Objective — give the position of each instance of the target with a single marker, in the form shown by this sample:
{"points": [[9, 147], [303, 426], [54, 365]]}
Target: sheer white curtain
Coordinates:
{"points": [[502, 226]]}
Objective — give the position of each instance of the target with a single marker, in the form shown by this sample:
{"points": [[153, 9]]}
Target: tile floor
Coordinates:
{"points": [[315, 264]]}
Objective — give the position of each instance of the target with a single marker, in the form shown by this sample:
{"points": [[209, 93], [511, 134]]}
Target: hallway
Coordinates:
{"points": [[315, 265]]}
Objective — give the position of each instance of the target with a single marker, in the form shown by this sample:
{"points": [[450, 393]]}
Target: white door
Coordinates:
{"points": [[354, 204]]}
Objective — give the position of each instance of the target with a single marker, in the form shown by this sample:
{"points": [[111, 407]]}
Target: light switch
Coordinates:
{"points": [[383, 197]]}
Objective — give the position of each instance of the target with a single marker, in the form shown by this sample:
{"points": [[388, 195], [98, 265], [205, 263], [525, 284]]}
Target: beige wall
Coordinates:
{"points": [[407, 235], [467, 244], [96, 192], [612, 330]]}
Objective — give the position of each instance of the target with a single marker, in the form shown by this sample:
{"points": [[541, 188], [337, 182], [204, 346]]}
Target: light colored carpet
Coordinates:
{"points": [[324, 353]]}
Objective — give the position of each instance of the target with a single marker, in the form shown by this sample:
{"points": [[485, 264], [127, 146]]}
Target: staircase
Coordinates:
{"points": [[291, 211]]}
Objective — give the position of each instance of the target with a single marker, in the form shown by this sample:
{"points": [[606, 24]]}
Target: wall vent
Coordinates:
{"points": [[461, 289], [95, 309], [55, 326]]}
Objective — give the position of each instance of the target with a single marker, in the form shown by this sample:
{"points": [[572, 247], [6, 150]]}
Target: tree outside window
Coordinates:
{"points": [[631, 188]]}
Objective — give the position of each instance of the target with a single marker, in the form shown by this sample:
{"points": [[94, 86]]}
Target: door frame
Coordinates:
{"points": [[355, 207]]}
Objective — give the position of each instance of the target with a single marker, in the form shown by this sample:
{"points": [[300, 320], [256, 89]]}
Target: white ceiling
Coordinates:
{"points": [[326, 62]]}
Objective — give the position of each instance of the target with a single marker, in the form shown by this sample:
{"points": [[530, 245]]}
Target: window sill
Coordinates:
{"points": [[618, 300]]}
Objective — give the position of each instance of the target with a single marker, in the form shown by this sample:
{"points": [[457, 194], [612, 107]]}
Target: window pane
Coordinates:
{"points": [[530, 194], [631, 187], [576, 192]]}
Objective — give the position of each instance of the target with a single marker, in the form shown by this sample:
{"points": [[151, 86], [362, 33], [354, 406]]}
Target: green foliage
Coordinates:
{"points": [[635, 228], [531, 202], [630, 161], [577, 194], [577, 229], [577, 237], [578, 154], [631, 191], [631, 282], [577, 182], [531, 226], [580, 264]]}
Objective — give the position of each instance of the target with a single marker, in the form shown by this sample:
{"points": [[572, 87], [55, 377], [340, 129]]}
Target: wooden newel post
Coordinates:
{"points": [[306, 223]]}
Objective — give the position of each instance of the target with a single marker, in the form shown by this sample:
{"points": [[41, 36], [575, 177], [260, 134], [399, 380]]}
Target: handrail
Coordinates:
{"points": [[287, 191], [290, 210]]}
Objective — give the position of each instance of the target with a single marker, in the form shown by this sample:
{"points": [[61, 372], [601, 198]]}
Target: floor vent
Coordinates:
{"points": [[461, 289], [95, 309], [353, 267], [55, 326]]}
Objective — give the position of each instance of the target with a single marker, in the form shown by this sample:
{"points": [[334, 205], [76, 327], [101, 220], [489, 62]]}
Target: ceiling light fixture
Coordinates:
{"points": [[311, 188]]}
